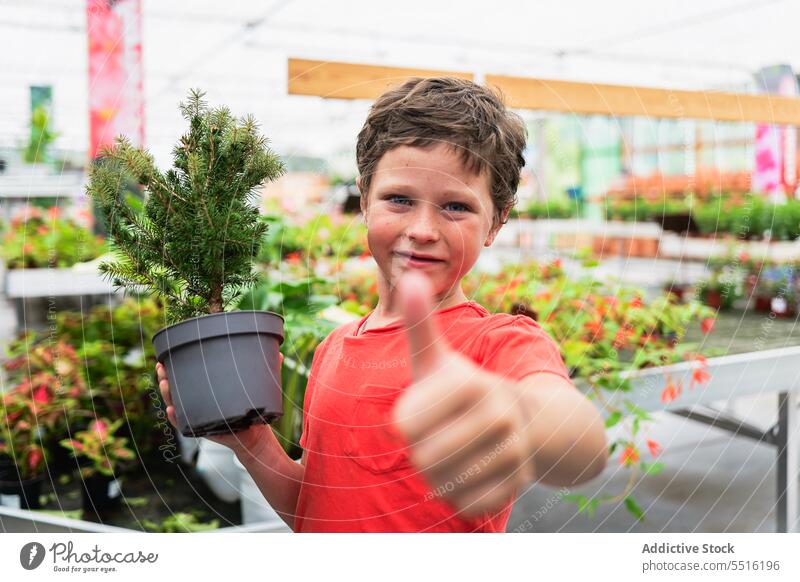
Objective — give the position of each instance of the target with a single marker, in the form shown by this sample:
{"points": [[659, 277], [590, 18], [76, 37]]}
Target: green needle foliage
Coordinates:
{"points": [[195, 237]]}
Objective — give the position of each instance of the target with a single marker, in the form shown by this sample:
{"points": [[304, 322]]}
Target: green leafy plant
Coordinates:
{"points": [[99, 445], [47, 385], [554, 209], [195, 237], [181, 523], [112, 344], [41, 137], [37, 239]]}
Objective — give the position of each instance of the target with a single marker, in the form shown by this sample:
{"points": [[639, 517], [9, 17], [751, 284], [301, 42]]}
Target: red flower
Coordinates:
{"points": [[622, 336], [654, 447], [293, 258], [595, 327], [629, 456], [636, 302], [53, 212], [700, 376], [557, 263], [671, 392], [707, 325], [366, 254]]}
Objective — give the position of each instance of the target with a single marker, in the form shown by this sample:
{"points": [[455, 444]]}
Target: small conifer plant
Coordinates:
{"points": [[192, 239], [195, 237]]}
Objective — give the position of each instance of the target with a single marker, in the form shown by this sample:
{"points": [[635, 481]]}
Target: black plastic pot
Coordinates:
{"points": [[6, 466], [99, 495], [28, 490], [223, 370]]}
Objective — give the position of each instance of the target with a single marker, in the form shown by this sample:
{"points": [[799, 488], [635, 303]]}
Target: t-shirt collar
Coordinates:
{"points": [[399, 324]]}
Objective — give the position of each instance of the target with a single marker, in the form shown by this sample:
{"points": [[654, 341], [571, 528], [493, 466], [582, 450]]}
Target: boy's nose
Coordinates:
{"points": [[423, 225]]}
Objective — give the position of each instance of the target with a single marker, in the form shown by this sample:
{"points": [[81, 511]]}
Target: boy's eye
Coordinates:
{"points": [[395, 197], [459, 207]]}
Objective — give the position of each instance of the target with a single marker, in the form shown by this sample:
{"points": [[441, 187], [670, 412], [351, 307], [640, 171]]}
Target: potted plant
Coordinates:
{"points": [[49, 387], [193, 240], [46, 385], [677, 289], [100, 452], [22, 457], [715, 293]]}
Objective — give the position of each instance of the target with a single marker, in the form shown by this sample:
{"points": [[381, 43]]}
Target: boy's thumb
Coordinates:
{"points": [[415, 295]]}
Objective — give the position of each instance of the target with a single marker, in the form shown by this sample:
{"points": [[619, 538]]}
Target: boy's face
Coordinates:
{"points": [[425, 211]]}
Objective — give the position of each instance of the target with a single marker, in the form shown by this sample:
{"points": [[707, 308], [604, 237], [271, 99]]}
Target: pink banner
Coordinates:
{"points": [[775, 171], [116, 94]]}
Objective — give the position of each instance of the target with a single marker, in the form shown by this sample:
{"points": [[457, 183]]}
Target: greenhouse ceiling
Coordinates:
{"points": [[237, 51]]}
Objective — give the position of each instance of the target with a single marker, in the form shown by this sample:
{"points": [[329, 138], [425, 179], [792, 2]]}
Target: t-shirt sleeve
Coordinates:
{"points": [[519, 348], [316, 360]]}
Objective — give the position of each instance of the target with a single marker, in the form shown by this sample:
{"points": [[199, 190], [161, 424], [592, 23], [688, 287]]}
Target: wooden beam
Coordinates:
{"points": [[352, 81], [619, 100]]}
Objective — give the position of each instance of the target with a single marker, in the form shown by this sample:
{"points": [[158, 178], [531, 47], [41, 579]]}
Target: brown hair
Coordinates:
{"points": [[472, 119]]}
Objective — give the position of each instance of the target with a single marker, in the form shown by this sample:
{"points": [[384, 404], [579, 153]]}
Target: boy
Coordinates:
{"points": [[429, 414]]}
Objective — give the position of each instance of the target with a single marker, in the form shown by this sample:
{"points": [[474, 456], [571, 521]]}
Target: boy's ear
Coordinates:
{"points": [[362, 199], [496, 228]]}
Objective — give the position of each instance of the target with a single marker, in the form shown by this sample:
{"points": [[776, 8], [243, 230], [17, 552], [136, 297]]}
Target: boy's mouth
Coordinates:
{"points": [[418, 259]]}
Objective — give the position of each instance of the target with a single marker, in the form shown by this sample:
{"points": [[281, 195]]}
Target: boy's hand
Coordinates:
{"points": [[248, 440], [466, 429]]}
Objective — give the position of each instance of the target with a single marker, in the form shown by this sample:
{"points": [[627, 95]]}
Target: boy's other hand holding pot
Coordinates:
{"points": [[249, 440]]}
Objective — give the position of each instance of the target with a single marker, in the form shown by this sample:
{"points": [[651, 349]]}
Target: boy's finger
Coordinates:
{"points": [[171, 416], [163, 386], [415, 296]]}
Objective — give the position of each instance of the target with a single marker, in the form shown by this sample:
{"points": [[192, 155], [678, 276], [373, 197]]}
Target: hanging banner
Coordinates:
{"points": [[775, 169], [116, 94]]}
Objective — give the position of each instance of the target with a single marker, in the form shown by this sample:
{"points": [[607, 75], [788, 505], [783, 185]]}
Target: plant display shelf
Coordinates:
{"points": [[692, 248], [543, 234], [20, 285], [737, 376], [26, 521], [20, 189]]}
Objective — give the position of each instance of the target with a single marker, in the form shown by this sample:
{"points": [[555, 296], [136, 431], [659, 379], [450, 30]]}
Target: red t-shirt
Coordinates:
{"points": [[358, 477]]}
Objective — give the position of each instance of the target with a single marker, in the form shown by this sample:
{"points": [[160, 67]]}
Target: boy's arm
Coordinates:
{"points": [[566, 433], [278, 477]]}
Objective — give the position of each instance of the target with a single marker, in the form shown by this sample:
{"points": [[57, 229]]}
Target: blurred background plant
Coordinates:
{"points": [[37, 239]]}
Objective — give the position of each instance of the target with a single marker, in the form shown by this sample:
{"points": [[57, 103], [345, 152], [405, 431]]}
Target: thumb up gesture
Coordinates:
{"points": [[466, 428]]}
